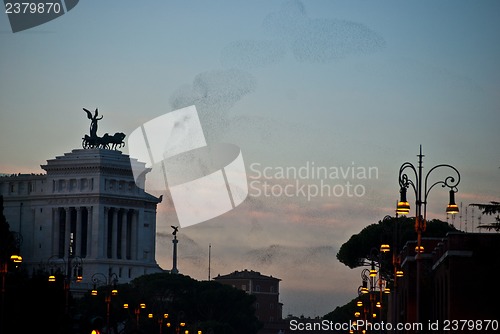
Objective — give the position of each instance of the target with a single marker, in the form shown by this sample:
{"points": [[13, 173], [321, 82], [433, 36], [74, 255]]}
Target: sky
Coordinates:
{"points": [[351, 87]]}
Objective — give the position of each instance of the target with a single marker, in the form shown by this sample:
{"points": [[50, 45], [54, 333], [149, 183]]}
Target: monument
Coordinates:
{"points": [[107, 141], [174, 254], [86, 205]]}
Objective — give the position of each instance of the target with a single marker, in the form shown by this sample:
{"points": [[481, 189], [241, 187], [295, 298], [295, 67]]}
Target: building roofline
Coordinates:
{"points": [[246, 274]]}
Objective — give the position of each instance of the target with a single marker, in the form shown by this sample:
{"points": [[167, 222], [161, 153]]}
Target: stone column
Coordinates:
{"points": [[78, 236], [67, 231], [89, 232], [124, 235], [174, 256], [114, 234], [134, 235], [55, 230], [101, 240]]}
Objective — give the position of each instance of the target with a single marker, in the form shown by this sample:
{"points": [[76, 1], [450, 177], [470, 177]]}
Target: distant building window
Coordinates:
{"points": [[272, 288], [244, 287], [256, 306], [271, 306], [257, 288]]}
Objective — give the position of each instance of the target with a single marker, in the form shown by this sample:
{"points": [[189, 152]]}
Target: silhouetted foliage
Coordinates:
{"points": [[9, 244], [490, 209], [201, 305], [357, 250], [342, 314]]}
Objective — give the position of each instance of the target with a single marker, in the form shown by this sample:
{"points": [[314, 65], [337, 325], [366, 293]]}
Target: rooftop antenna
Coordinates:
{"points": [[479, 221], [461, 216], [472, 220], [209, 256], [466, 218]]}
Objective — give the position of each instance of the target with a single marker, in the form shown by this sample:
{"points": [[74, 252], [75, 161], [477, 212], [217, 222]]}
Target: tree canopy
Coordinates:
{"points": [[491, 208], [9, 241], [390, 230], [201, 305]]}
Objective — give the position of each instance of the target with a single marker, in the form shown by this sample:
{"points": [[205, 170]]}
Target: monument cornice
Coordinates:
{"points": [[87, 170], [83, 199]]}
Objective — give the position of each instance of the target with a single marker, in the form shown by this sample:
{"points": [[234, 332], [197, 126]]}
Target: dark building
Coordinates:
{"points": [[457, 282], [268, 308]]}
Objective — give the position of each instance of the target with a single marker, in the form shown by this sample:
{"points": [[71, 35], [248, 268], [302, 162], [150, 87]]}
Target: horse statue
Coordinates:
{"points": [[108, 142]]}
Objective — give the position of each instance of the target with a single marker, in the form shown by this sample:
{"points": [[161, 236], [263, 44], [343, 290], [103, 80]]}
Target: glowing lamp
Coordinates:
{"points": [[385, 248], [16, 258], [452, 207], [373, 271], [364, 287], [403, 206]]}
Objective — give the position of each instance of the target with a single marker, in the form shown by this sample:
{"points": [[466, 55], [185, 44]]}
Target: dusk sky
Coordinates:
{"points": [[344, 86]]}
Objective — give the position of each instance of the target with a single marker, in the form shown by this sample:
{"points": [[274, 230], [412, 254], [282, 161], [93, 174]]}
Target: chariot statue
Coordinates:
{"points": [[108, 142]]}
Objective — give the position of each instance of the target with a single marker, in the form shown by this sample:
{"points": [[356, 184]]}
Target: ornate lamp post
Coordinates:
{"points": [[371, 279], [110, 282], [4, 269], [421, 187], [137, 311], [72, 270]]}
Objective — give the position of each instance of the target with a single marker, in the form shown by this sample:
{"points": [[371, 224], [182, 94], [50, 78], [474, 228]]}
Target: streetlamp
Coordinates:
{"points": [[137, 311], [160, 318], [4, 269], [421, 188], [370, 282], [71, 270], [110, 282]]}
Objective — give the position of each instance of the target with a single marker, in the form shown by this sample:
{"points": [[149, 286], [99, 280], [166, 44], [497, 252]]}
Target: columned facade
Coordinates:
{"points": [[86, 206]]}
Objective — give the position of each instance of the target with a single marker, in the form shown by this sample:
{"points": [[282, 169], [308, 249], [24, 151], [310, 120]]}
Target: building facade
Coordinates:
{"points": [[85, 211], [456, 282], [268, 308]]}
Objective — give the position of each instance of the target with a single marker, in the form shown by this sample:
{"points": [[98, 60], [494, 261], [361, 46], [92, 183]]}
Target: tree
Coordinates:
{"points": [[357, 250], [490, 209], [342, 314], [201, 305], [9, 243]]}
